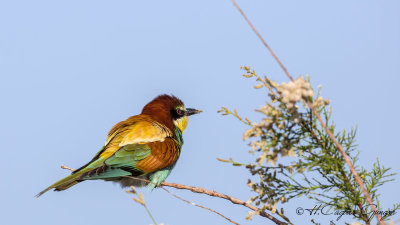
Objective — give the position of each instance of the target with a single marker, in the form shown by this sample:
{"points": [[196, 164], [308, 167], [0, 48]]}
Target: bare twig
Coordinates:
{"points": [[192, 203], [176, 196], [223, 196], [215, 194], [338, 145], [207, 192], [141, 201], [67, 168]]}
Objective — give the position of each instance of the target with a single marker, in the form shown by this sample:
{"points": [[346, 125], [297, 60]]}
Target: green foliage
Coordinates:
{"points": [[295, 156]]}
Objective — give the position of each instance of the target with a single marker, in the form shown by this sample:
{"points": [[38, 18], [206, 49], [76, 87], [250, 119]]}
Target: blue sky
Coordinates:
{"points": [[69, 70]]}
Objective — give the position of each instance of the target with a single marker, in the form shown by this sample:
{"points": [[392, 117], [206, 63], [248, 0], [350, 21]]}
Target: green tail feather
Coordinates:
{"points": [[64, 183]]}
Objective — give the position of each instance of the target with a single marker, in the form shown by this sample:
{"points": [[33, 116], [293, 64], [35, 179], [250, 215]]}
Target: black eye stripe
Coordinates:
{"points": [[177, 113]]}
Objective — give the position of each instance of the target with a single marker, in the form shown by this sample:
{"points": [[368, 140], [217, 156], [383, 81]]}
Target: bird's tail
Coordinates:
{"points": [[65, 183]]}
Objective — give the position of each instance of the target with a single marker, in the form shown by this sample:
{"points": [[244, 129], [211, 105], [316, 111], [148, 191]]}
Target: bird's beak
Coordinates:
{"points": [[190, 111]]}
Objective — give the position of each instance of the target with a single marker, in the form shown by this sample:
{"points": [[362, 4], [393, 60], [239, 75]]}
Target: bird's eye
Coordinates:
{"points": [[179, 112]]}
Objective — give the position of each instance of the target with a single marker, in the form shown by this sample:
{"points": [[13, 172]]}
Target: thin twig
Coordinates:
{"points": [[176, 196], [67, 168], [189, 202], [141, 201], [147, 210], [263, 41], [216, 194], [207, 192], [338, 145], [223, 196], [192, 203]]}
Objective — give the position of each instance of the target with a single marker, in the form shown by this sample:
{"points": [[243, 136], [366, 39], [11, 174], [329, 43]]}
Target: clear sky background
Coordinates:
{"points": [[70, 70]]}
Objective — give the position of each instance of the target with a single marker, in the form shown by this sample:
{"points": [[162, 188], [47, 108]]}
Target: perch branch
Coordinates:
{"points": [[203, 207], [223, 196], [176, 196]]}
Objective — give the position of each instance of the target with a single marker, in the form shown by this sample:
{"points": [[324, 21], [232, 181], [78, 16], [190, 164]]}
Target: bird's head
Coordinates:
{"points": [[170, 111]]}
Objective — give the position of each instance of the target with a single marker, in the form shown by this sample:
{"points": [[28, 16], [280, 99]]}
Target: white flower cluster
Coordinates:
{"points": [[271, 133], [294, 91], [319, 102]]}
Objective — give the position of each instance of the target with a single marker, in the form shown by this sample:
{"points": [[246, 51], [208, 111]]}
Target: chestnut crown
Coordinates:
{"points": [[170, 111]]}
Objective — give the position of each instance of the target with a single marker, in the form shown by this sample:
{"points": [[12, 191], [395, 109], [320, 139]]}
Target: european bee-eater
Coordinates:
{"points": [[146, 146]]}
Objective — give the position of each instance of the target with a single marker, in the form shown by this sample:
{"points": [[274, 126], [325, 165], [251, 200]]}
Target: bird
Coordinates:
{"points": [[139, 151]]}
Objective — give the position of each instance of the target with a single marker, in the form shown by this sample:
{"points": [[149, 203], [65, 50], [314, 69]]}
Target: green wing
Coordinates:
{"points": [[121, 163]]}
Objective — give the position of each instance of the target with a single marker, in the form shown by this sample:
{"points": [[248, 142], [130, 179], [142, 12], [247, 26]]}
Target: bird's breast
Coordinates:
{"points": [[163, 154]]}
